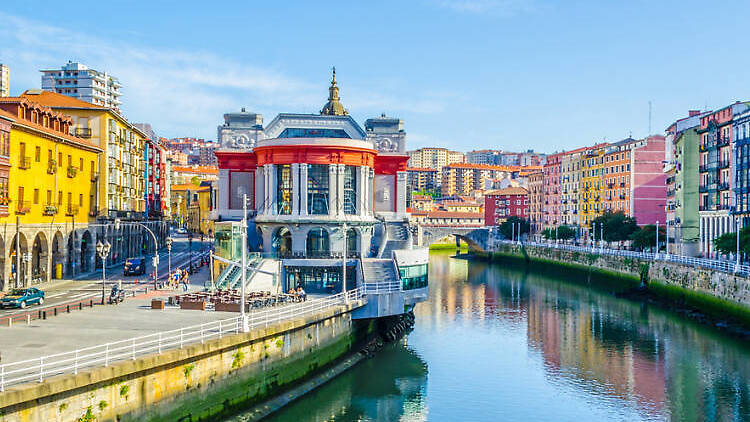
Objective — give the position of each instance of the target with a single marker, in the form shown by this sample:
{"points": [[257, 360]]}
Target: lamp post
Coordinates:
{"points": [[27, 273], [243, 317], [343, 265], [169, 255], [593, 236], [103, 250], [656, 255], [737, 264]]}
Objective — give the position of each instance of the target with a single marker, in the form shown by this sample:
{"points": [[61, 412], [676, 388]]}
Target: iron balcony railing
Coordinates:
{"points": [[24, 162], [83, 132], [103, 355]]}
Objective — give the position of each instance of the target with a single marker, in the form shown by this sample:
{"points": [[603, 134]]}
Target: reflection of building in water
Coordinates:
{"points": [[599, 352]]}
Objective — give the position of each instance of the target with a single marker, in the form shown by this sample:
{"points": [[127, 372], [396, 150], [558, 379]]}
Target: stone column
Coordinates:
{"points": [[295, 189], [362, 190], [260, 191], [303, 189], [400, 192], [702, 235], [333, 209], [711, 225], [271, 188], [340, 189], [224, 200]]}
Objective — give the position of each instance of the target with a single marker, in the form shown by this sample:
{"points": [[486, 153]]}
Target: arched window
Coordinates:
{"points": [[318, 244], [352, 240], [282, 242]]}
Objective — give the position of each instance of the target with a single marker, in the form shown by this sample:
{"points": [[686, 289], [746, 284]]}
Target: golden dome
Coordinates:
{"points": [[333, 107]]}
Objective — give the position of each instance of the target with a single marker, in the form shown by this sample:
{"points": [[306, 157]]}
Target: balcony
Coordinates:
{"points": [[50, 209], [72, 171], [622, 184], [722, 186], [22, 207], [622, 196], [24, 162], [720, 142], [724, 164], [72, 210], [51, 167], [83, 132]]}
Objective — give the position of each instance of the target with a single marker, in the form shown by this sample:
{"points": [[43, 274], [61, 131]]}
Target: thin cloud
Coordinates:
{"points": [[180, 93], [497, 7]]}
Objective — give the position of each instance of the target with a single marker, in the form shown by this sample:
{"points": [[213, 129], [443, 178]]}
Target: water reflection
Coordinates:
{"points": [[503, 343]]}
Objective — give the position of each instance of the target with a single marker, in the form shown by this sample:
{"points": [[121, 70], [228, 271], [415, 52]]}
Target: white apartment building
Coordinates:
{"points": [[4, 80], [78, 81]]}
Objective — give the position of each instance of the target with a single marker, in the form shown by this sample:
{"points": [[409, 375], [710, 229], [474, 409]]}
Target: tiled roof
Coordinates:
{"points": [[511, 190], [48, 131], [420, 169], [197, 169], [189, 186], [451, 214], [55, 100]]}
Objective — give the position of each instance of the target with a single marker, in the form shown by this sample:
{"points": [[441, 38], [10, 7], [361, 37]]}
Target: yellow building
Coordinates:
{"points": [[592, 183], [193, 204], [50, 191], [122, 167]]}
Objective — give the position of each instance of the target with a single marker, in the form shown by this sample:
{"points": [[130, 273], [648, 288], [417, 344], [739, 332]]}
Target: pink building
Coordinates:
{"points": [[551, 207], [648, 189]]}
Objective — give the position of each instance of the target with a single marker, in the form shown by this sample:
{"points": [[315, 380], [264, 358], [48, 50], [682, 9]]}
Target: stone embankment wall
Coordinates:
{"points": [[199, 382], [664, 277]]}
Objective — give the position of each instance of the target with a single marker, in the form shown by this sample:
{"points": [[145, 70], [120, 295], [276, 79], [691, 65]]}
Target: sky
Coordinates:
{"points": [[463, 74]]}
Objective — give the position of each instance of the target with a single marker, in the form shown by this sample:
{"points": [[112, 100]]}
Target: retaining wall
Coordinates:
{"points": [[199, 382], [660, 275]]}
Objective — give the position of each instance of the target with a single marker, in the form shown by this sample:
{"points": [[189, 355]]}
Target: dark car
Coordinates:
{"points": [[135, 266], [20, 298]]}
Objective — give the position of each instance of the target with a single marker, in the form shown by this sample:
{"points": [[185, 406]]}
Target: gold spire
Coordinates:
{"points": [[333, 107]]}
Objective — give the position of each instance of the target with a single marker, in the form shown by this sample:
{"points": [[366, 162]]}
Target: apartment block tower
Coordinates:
{"points": [[78, 81]]}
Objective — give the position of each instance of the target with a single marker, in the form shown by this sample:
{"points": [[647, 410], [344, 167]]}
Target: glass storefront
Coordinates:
{"points": [[324, 279], [317, 189], [284, 188], [413, 276]]}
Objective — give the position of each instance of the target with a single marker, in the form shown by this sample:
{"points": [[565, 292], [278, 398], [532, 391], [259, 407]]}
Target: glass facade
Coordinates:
{"points": [[313, 133], [284, 189], [317, 189], [282, 242], [318, 244], [352, 239], [350, 194], [413, 277], [324, 279]]}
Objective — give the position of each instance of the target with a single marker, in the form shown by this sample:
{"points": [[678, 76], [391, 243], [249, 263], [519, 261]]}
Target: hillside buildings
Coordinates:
{"points": [[78, 81], [499, 205], [4, 80]]}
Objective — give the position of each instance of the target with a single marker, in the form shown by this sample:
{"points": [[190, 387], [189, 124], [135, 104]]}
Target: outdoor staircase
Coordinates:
{"points": [[397, 237], [231, 277], [379, 271]]}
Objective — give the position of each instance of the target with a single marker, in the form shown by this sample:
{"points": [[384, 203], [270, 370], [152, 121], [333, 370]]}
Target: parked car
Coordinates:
{"points": [[135, 266], [182, 230], [20, 298]]}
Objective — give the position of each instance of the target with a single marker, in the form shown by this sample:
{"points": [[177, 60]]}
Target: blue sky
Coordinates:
{"points": [[464, 74]]}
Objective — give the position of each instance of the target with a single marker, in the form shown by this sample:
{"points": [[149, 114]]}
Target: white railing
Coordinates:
{"points": [[39, 369], [714, 264], [381, 288]]}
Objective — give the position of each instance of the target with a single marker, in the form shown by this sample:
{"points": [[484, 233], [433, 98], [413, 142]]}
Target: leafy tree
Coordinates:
{"points": [[727, 242], [645, 237], [508, 226], [563, 232], [617, 226]]}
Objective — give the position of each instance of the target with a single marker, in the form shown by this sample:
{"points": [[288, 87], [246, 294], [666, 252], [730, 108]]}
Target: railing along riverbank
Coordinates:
{"points": [[39, 369], [714, 264]]}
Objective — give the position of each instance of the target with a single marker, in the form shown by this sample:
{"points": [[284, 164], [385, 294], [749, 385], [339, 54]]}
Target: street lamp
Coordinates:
{"points": [[737, 264], [657, 239], [103, 250], [169, 255], [243, 317], [27, 259]]}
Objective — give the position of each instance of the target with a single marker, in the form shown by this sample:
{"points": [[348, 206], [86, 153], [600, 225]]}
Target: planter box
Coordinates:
{"points": [[226, 307], [193, 306], [157, 304]]}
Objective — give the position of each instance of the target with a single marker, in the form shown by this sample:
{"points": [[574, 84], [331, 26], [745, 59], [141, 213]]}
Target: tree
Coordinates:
{"points": [[617, 226], [646, 236], [510, 226], [563, 232], [727, 242]]}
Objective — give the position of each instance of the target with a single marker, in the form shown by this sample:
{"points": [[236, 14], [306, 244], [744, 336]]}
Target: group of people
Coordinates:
{"points": [[299, 294], [179, 277]]}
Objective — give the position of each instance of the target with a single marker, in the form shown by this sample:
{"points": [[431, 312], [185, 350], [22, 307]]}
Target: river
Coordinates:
{"points": [[495, 343]]}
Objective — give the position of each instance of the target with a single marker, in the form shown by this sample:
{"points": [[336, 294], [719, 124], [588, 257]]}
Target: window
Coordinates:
{"points": [[59, 197], [350, 193], [80, 199], [317, 189], [59, 159], [37, 154], [317, 243], [80, 164], [49, 197], [284, 189], [92, 167], [36, 196]]}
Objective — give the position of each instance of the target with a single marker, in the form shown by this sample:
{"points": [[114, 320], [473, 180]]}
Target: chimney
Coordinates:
{"points": [[692, 113]]}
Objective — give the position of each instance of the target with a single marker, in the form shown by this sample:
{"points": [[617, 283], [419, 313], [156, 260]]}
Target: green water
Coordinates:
{"points": [[502, 344]]}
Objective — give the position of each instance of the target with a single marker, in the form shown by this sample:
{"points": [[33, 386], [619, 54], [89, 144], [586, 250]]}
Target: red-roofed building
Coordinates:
{"points": [[501, 204]]}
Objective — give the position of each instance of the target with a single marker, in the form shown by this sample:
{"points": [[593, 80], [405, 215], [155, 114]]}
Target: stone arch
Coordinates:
{"points": [[58, 252], [72, 253], [39, 253], [318, 243], [281, 242], [18, 275], [88, 249]]}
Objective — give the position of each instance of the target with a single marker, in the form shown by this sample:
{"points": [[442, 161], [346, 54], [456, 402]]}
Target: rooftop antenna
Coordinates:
{"points": [[649, 117]]}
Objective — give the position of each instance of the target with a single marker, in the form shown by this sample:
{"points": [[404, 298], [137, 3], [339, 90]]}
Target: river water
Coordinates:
{"points": [[502, 344]]}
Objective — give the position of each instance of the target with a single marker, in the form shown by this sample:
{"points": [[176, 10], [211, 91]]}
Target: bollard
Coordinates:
{"points": [[44, 314], [68, 308], [91, 303], [10, 321], [28, 319], [55, 310], [80, 306]]}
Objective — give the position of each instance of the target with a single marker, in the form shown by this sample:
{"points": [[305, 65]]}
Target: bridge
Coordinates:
{"points": [[426, 235]]}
